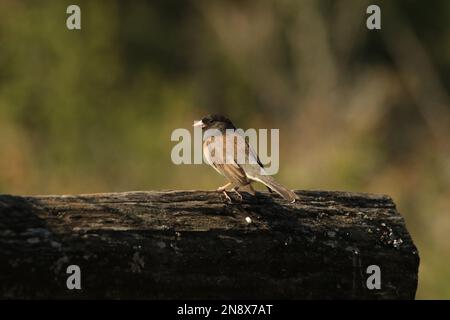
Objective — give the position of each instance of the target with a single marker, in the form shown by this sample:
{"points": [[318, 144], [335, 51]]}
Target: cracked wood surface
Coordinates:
{"points": [[191, 244]]}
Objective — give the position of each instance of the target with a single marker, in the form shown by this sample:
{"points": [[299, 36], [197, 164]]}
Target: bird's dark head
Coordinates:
{"points": [[214, 121]]}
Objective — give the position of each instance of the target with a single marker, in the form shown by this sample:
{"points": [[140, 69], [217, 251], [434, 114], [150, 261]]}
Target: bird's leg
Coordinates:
{"points": [[235, 190], [227, 196], [222, 188]]}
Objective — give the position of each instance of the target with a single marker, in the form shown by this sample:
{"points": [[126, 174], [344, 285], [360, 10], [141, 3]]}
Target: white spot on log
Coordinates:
{"points": [[248, 220], [397, 242]]}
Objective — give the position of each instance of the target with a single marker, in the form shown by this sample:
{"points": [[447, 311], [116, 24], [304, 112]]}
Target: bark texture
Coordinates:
{"points": [[192, 244]]}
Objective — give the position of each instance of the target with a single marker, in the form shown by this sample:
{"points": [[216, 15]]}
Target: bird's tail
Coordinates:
{"points": [[270, 182]]}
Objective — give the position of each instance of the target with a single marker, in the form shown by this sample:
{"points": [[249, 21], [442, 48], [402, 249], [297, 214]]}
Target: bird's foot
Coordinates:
{"points": [[227, 197], [238, 194]]}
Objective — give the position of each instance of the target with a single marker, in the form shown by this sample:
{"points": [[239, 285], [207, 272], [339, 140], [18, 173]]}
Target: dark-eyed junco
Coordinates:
{"points": [[224, 149]]}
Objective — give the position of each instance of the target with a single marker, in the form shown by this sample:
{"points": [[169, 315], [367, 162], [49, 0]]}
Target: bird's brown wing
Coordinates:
{"points": [[239, 169], [225, 161], [233, 173]]}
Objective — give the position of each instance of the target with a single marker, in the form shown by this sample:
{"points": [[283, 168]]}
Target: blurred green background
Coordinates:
{"points": [[92, 110]]}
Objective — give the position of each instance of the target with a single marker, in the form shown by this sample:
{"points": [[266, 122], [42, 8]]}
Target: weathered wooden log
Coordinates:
{"points": [[192, 244]]}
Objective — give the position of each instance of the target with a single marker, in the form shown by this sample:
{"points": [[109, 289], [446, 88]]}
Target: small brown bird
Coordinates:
{"points": [[224, 149]]}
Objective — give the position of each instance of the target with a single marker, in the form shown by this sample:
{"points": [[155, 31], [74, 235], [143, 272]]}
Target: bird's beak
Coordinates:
{"points": [[198, 123]]}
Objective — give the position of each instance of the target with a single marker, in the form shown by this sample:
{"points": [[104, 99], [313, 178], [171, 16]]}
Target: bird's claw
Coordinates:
{"points": [[238, 194], [227, 197]]}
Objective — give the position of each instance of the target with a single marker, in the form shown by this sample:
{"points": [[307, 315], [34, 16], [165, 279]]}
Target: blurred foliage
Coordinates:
{"points": [[93, 110]]}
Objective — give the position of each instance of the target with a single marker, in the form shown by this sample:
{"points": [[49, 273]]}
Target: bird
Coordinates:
{"points": [[219, 136]]}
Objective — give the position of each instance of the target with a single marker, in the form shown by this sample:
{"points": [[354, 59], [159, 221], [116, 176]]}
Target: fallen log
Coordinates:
{"points": [[193, 245]]}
